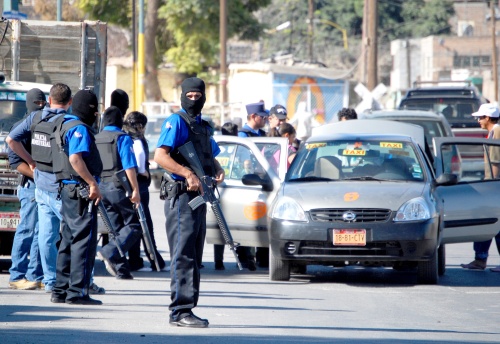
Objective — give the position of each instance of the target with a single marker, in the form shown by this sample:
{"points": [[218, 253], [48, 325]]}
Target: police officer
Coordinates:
{"points": [[117, 153], [257, 118], [26, 273], [119, 98], [78, 170], [186, 228], [135, 126], [37, 127]]}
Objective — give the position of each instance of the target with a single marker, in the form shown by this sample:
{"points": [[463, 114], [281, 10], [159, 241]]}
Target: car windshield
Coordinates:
{"points": [[457, 111], [152, 132], [356, 160]]}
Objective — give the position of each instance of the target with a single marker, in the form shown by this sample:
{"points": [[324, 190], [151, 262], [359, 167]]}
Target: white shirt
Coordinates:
{"points": [[140, 156]]}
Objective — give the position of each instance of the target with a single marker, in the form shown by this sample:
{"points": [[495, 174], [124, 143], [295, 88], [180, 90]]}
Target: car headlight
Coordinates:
{"points": [[414, 210], [287, 208]]}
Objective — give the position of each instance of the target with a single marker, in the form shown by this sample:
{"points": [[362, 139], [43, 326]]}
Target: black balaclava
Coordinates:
{"points": [[119, 98], [193, 107], [32, 96], [85, 106], [112, 116]]}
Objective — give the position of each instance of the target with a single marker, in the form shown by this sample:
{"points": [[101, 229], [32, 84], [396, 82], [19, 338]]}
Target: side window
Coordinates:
{"points": [[272, 153], [237, 160]]}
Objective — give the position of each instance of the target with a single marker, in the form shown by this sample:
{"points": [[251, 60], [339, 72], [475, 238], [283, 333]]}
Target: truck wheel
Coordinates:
{"points": [[427, 272], [441, 260], [279, 270]]}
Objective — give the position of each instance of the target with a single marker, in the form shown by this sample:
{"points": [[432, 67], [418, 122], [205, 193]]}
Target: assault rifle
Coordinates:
{"points": [[208, 185], [84, 192], [148, 242]]}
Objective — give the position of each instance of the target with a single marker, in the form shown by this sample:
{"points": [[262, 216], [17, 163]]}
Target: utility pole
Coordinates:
{"points": [[223, 53], [310, 30], [134, 57], [372, 43], [141, 53], [494, 46], [364, 40]]}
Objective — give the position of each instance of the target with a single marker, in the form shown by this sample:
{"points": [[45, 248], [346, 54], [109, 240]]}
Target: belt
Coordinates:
{"points": [[107, 179]]}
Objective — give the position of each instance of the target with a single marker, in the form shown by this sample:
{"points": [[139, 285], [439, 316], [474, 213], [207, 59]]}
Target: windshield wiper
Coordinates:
{"points": [[312, 179], [364, 178]]}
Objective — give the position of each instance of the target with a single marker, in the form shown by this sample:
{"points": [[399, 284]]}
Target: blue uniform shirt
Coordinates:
{"points": [[247, 127], [125, 146], [175, 133], [45, 181]]}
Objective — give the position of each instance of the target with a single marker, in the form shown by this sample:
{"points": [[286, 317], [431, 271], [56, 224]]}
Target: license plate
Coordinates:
{"points": [[349, 237], [9, 220]]}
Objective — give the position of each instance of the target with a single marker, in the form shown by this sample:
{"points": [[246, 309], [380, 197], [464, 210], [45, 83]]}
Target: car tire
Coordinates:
{"points": [[279, 269], [441, 260], [428, 271]]}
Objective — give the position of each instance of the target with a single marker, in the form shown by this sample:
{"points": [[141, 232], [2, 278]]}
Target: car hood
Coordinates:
{"points": [[352, 194]]}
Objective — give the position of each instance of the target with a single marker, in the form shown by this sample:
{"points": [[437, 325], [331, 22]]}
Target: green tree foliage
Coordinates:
{"points": [[112, 11]]}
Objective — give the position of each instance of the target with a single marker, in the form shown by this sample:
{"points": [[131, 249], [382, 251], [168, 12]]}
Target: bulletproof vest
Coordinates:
{"points": [[62, 166], [251, 133], [107, 145], [199, 135], [42, 140]]}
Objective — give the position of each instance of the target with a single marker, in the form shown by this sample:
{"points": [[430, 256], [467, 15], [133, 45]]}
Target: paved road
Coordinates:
{"points": [[328, 305]]}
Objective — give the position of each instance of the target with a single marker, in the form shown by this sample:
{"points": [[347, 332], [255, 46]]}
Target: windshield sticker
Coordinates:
{"points": [[223, 161], [356, 152], [255, 210], [315, 145], [395, 145], [351, 196]]}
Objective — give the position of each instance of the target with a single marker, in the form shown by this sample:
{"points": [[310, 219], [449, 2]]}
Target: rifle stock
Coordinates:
{"points": [[188, 152]]}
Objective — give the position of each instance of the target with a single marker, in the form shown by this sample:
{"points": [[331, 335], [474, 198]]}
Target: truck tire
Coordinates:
{"points": [[279, 270], [428, 271]]}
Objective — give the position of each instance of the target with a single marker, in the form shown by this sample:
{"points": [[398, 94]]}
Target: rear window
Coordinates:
{"points": [[457, 111]]}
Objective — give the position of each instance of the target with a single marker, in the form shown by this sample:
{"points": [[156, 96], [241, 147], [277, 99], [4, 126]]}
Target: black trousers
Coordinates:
{"points": [[77, 248], [124, 220], [186, 230], [134, 254]]}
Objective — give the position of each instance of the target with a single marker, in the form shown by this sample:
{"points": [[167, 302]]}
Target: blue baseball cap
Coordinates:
{"points": [[257, 108]]}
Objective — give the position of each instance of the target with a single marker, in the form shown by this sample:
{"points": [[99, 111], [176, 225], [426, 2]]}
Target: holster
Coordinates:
{"points": [[170, 189]]}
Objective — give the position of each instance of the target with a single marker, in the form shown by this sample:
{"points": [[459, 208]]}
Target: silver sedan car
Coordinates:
{"points": [[364, 193]]}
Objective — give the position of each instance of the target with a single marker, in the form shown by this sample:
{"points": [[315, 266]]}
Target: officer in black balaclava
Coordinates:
{"points": [[35, 100], [192, 105], [119, 98], [85, 106]]}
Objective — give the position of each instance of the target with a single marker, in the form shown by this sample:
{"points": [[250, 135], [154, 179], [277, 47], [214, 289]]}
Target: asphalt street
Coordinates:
{"points": [[328, 305]]}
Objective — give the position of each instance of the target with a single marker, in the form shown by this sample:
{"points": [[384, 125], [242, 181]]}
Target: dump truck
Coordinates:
{"points": [[40, 54]]}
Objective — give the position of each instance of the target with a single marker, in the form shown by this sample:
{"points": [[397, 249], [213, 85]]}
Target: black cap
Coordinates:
{"points": [[279, 111]]}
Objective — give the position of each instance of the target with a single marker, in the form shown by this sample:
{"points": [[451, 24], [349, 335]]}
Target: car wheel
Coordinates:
{"points": [[279, 269], [427, 272], [441, 260]]}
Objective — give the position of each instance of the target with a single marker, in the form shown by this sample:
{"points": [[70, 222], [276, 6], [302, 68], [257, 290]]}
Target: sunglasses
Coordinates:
{"points": [[480, 118]]}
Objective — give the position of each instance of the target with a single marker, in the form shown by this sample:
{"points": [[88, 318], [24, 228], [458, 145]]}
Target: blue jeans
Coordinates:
{"points": [[49, 219], [481, 248], [26, 238]]}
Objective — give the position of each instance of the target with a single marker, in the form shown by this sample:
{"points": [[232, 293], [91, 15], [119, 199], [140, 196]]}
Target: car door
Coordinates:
{"points": [[245, 206], [471, 208]]}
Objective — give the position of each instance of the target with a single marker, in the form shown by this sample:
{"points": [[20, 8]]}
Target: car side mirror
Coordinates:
{"points": [[447, 179], [254, 179]]}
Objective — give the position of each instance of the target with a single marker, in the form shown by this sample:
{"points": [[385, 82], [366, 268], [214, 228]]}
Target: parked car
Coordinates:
{"points": [[357, 195]]}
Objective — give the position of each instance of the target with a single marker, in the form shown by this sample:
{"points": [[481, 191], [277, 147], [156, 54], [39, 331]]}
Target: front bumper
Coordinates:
{"points": [[385, 242]]}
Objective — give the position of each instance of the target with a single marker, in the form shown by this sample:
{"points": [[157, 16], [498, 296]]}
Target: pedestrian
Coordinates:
{"points": [[120, 99], [277, 115], [256, 120], [40, 161], [487, 116], [346, 114], [77, 169], [117, 153], [26, 271], [186, 228], [135, 126], [231, 129], [287, 131]]}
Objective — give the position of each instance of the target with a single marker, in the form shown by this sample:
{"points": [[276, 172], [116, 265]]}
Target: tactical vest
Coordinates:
{"points": [[62, 166], [251, 133], [42, 140], [107, 145], [199, 135]]}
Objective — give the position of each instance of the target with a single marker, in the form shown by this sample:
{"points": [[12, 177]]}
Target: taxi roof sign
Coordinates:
{"points": [[14, 15]]}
